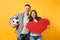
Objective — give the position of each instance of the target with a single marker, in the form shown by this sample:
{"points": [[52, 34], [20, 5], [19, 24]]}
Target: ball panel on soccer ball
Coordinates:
{"points": [[15, 21]]}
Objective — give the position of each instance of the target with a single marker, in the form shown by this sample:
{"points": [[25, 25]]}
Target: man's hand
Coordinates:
{"points": [[14, 26]]}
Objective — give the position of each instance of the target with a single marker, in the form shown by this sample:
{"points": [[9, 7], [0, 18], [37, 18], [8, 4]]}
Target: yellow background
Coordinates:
{"points": [[49, 9]]}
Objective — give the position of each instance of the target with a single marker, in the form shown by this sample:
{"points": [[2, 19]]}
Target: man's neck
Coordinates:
{"points": [[26, 13]]}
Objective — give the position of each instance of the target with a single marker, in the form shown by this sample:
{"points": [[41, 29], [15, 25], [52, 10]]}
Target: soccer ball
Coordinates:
{"points": [[15, 21]]}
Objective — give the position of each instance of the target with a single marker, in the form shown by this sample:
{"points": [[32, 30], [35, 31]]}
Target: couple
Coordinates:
{"points": [[24, 18]]}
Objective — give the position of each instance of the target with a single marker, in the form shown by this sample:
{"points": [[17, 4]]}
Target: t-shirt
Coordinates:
{"points": [[25, 21]]}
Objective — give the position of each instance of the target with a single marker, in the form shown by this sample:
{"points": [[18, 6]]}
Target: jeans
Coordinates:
{"points": [[36, 37], [23, 37]]}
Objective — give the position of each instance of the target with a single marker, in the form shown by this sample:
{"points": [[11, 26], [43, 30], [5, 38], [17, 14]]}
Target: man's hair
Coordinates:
{"points": [[28, 5]]}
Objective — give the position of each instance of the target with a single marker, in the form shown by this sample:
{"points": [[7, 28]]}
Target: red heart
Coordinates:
{"points": [[38, 27]]}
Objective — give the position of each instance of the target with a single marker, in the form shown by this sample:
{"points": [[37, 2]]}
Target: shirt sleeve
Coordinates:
{"points": [[11, 18]]}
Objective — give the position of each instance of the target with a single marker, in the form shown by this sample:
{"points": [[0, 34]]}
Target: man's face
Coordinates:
{"points": [[27, 9]]}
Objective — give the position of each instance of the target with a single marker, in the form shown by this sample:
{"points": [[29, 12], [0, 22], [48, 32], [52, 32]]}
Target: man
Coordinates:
{"points": [[21, 30]]}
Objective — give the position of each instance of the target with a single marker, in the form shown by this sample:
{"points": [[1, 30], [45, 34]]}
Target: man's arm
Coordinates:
{"points": [[10, 20]]}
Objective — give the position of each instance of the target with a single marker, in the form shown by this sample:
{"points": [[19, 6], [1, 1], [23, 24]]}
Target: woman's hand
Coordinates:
{"points": [[27, 30], [48, 26]]}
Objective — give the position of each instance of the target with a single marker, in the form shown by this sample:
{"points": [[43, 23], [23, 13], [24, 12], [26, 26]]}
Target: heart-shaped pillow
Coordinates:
{"points": [[38, 27]]}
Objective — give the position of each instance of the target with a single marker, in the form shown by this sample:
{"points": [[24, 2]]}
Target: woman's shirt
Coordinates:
{"points": [[33, 34]]}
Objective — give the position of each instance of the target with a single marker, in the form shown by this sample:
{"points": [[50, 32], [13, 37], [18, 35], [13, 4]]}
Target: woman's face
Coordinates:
{"points": [[33, 14]]}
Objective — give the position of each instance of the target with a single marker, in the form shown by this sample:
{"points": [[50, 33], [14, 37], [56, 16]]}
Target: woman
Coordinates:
{"points": [[33, 17]]}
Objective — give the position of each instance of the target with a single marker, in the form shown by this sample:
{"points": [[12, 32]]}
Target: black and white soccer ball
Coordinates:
{"points": [[15, 21]]}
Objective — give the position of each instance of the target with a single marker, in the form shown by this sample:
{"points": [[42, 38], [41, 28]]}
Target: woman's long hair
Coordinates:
{"points": [[36, 17]]}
